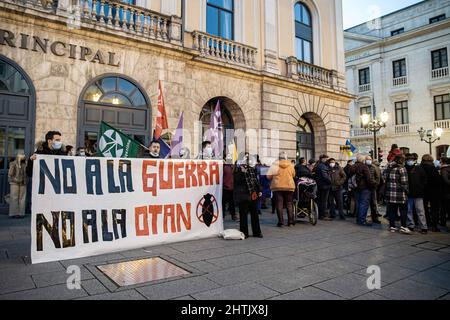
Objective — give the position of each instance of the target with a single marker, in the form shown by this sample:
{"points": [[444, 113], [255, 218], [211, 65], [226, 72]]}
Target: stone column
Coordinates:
{"points": [[175, 30]]}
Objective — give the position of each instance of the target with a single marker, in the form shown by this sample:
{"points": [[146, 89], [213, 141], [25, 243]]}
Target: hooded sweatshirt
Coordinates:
{"points": [[282, 174]]}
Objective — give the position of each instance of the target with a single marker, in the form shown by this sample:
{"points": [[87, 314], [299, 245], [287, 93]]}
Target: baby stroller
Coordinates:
{"points": [[304, 202]]}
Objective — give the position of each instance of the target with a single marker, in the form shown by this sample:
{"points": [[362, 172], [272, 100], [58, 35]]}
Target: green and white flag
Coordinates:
{"points": [[114, 144]]}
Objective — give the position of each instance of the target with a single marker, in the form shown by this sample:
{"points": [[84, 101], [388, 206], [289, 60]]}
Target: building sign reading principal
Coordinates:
{"points": [[57, 48], [89, 206]]}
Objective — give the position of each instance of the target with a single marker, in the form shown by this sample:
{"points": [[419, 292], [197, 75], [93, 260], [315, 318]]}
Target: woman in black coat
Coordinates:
{"points": [[247, 191], [432, 196]]}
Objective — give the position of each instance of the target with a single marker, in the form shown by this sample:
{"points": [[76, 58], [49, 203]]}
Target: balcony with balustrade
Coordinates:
{"points": [[400, 81], [361, 133], [401, 129], [224, 50], [443, 124], [110, 16], [365, 88], [439, 73]]}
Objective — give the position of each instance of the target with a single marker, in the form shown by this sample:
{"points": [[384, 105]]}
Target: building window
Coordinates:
{"points": [[442, 107], [364, 76], [405, 150], [437, 18], [220, 18], [401, 112], [398, 31], [365, 110], [303, 33], [441, 151], [399, 67], [439, 58]]}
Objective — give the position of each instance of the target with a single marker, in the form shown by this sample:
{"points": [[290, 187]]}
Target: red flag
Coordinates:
{"points": [[161, 118]]}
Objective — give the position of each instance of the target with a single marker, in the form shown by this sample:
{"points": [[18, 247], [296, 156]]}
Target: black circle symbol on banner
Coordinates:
{"points": [[207, 210]]}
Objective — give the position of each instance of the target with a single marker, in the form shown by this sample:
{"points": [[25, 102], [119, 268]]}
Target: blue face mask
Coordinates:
{"points": [[410, 163], [57, 145]]}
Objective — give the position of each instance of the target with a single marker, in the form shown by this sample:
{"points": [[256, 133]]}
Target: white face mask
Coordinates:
{"points": [[369, 162], [332, 165], [57, 145], [209, 151]]}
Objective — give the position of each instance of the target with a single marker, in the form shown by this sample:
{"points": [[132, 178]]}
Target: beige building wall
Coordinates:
{"points": [[263, 96]]}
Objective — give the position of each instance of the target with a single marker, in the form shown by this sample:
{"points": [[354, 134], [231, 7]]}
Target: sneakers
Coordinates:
{"points": [[404, 230], [393, 229]]}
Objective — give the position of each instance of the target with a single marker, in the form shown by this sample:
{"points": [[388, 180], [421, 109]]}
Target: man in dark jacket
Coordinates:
{"points": [[432, 196], [361, 175], [153, 151], [51, 146], [417, 180], [338, 178], [302, 170], [323, 179], [228, 185], [445, 174], [375, 175]]}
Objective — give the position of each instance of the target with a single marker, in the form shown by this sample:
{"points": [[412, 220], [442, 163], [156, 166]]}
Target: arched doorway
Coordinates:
{"points": [[117, 100], [311, 136], [305, 140], [17, 115], [232, 119]]}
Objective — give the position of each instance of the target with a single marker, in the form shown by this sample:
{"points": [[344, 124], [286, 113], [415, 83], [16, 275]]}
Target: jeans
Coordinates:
{"points": [[246, 207], [392, 209], [323, 195], [336, 200], [417, 204], [362, 200], [284, 199]]}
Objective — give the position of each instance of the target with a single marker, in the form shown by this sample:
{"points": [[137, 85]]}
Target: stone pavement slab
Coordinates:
{"points": [[411, 290], [241, 291], [309, 293], [348, 286]]}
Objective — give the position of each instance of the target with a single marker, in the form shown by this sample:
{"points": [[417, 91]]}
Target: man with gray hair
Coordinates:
{"points": [[362, 182]]}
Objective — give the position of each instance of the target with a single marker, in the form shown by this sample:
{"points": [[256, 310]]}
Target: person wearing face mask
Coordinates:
{"points": [[323, 179], [17, 178], [338, 178], [247, 191], [207, 152], [81, 152], [375, 174], [282, 175], [417, 179], [185, 153], [51, 146]]}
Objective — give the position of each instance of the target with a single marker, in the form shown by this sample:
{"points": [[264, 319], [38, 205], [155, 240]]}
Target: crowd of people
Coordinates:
{"points": [[415, 194]]}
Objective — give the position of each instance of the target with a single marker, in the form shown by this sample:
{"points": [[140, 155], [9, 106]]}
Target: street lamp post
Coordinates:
{"points": [[374, 126], [430, 136]]}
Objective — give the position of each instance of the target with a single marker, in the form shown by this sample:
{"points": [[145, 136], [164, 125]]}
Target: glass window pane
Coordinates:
{"points": [[212, 21], [138, 99], [298, 14], [446, 97], [307, 51], [299, 48], [16, 142], [226, 4], [108, 84], [447, 110], [438, 109], [93, 93], [126, 87], [226, 25], [306, 19], [115, 99], [438, 99]]}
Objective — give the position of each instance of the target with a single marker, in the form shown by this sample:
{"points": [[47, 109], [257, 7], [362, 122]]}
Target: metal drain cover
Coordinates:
{"points": [[141, 271]]}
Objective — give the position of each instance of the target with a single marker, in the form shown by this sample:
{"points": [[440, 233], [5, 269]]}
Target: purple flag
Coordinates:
{"points": [[177, 139], [215, 132]]}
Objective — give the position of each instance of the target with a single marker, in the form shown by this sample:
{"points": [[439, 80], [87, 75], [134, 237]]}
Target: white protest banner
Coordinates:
{"points": [[89, 206]]}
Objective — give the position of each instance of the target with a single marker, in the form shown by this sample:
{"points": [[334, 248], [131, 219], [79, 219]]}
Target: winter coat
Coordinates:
{"points": [[363, 177], [323, 176], [42, 148], [17, 173], [433, 186], [417, 179], [397, 187], [375, 175], [445, 174], [241, 191], [338, 178], [303, 171], [282, 174], [228, 177]]}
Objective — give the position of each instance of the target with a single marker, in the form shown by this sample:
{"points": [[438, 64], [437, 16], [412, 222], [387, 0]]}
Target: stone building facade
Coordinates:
{"points": [[399, 63], [69, 65]]}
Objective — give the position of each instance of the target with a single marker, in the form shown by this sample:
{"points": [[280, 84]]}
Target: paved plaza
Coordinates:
{"points": [[325, 262]]}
